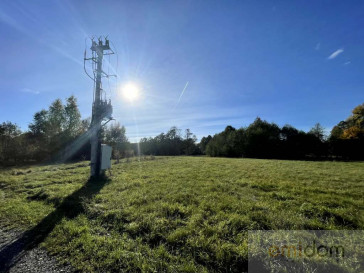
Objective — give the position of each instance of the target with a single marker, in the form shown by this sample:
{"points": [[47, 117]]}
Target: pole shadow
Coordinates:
{"points": [[70, 207]]}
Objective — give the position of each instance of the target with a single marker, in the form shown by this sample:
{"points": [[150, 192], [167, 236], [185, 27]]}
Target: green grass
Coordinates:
{"points": [[177, 214]]}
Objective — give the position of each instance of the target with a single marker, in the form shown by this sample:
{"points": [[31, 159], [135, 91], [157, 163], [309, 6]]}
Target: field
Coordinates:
{"points": [[176, 214]]}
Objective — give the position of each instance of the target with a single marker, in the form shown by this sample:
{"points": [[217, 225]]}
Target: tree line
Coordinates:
{"points": [[56, 134], [59, 134], [262, 139], [172, 142]]}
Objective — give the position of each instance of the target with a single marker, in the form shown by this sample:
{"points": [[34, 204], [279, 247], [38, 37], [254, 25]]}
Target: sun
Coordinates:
{"points": [[130, 91]]}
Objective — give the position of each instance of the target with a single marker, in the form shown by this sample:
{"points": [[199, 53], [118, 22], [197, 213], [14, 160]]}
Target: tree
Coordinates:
{"points": [[352, 127], [56, 118], [38, 136], [173, 142], [203, 143], [347, 137], [294, 143], [318, 131], [355, 124], [357, 116], [115, 136], [190, 147], [228, 143], [9, 146], [170, 143], [56, 126], [39, 126], [72, 118], [337, 131], [262, 139], [55, 130]]}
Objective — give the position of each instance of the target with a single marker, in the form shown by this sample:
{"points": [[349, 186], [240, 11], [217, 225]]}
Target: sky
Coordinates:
{"points": [[200, 65]]}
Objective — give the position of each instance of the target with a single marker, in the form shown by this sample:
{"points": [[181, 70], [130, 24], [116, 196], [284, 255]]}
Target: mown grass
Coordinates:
{"points": [[179, 214]]}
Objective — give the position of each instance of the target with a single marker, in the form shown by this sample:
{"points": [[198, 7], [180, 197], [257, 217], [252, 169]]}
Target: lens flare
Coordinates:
{"points": [[130, 91]]}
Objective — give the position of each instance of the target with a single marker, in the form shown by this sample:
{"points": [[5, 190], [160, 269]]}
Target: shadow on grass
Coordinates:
{"points": [[71, 207]]}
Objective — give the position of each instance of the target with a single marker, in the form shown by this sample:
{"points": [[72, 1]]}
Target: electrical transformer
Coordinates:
{"points": [[105, 156]]}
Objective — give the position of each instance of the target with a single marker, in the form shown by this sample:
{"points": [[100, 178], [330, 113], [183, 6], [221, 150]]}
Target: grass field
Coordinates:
{"points": [[176, 214]]}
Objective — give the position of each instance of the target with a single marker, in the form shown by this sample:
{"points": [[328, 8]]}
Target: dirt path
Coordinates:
{"points": [[35, 260]]}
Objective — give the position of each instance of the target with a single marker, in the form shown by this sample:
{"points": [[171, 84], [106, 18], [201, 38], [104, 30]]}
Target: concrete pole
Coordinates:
{"points": [[96, 117]]}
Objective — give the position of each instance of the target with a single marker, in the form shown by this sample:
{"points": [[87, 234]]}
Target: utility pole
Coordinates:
{"points": [[100, 109]]}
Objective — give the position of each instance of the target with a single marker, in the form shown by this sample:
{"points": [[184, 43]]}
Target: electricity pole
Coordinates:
{"points": [[100, 109]]}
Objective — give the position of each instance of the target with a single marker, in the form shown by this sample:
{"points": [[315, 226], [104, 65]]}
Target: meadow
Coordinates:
{"points": [[176, 214]]}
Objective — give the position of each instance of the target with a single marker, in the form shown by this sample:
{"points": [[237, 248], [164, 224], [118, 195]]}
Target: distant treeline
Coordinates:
{"points": [[262, 139], [170, 143], [59, 134], [267, 140]]}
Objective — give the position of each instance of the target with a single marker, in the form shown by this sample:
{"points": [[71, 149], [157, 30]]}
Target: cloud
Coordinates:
{"points": [[31, 91], [335, 54], [317, 47], [348, 62]]}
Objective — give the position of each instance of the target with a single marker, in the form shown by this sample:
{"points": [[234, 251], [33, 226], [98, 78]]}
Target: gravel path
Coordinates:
{"points": [[34, 260]]}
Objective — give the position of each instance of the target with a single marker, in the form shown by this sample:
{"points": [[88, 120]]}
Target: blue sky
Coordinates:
{"points": [[295, 62]]}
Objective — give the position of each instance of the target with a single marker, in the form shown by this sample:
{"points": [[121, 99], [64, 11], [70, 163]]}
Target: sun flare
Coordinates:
{"points": [[130, 91]]}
